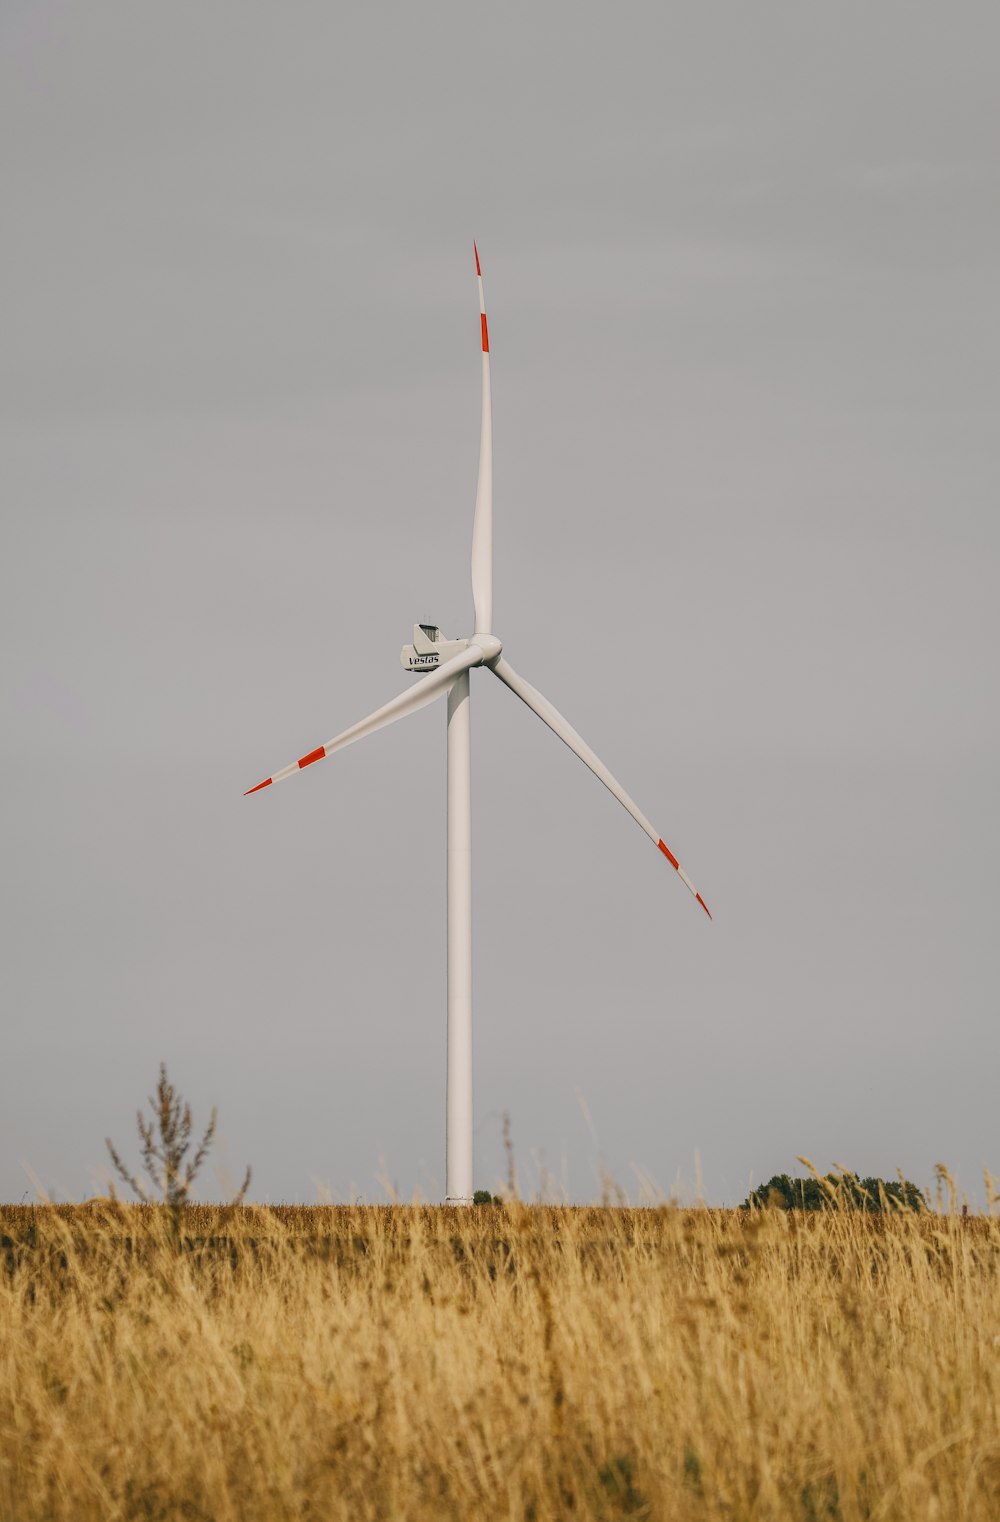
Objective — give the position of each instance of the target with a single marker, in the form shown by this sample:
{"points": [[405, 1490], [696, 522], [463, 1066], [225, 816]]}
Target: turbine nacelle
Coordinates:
{"points": [[431, 648]]}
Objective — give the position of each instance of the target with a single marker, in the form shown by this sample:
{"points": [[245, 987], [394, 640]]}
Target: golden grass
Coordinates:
{"points": [[528, 1363]]}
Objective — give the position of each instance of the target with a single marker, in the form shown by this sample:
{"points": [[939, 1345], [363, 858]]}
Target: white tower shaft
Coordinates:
{"points": [[458, 1145]]}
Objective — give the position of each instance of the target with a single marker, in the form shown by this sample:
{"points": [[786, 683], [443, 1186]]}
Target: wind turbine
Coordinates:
{"points": [[446, 664]]}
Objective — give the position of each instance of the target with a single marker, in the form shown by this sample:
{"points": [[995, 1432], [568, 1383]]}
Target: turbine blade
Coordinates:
{"points": [[482, 528], [425, 691], [554, 719]]}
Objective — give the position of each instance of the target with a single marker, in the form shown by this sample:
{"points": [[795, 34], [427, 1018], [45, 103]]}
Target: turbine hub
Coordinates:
{"points": [[488, 644]]}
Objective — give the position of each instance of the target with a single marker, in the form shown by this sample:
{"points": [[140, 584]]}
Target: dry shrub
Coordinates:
{"points": [[503, 1362]]}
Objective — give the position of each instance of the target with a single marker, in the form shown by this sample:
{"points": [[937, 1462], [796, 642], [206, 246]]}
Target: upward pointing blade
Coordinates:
{"points": [[482, 529], [416, 697], [560, 726]]}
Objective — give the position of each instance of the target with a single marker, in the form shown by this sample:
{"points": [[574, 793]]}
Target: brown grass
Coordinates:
{"points": [[529, 1363]]}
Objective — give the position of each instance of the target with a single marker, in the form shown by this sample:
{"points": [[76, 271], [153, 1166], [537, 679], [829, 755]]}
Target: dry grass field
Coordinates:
{"points": [[518, 1362]]}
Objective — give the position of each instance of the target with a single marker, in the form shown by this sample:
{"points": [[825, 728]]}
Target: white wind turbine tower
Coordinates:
{"points": [[447, 663]]}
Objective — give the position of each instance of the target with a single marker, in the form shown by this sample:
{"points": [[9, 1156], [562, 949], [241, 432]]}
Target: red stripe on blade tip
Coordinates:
{"points": [[703, 905], [257, 788], [314, 755], [478, 270], [669, 855], [486, 336]]}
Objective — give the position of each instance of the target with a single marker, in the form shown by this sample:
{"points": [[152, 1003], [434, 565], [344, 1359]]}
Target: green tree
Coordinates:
{"points": [[835, 1191]]}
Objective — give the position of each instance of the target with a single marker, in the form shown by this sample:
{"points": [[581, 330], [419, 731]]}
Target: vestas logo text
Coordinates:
{"points": [[423, 660]]}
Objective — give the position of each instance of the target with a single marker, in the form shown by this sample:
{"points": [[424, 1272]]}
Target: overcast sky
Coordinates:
{"points": [[741, 270]]}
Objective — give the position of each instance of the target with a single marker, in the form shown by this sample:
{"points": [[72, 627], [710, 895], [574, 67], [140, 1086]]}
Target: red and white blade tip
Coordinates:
{"points": [[482, 305], [683, 875], [296, 766]]}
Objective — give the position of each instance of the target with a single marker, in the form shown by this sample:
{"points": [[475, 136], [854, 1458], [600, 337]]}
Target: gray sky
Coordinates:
{"points": [[741, 270]]}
